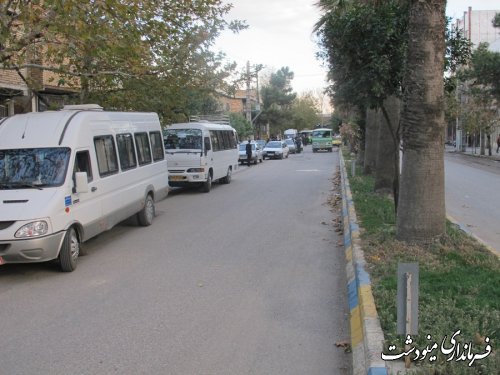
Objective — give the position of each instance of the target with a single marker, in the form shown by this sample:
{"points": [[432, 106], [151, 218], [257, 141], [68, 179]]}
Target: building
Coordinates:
{"points": [[238, 102], [16, 96], [477, 27]]}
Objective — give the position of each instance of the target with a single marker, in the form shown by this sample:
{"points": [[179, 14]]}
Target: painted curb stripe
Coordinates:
{"points": [[363, 312]]}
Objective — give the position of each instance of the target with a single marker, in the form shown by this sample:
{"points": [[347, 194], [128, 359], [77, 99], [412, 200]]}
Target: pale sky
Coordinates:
{"points": [[280, 34]]}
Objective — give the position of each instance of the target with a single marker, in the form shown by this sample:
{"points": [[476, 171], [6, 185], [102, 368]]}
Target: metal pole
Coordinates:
{"points": [[408, 315]]}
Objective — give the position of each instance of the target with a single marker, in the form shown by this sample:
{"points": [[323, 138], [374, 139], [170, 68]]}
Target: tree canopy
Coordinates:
{"points": [[119, 48], [364, 48]]}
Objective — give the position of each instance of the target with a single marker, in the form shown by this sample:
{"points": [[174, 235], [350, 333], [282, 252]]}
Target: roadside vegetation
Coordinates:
{"points": [[459, 285]]}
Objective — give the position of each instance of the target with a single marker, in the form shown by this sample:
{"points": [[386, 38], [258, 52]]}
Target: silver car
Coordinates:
{"points": [[257, 153], [276, 150], [291, 145]]}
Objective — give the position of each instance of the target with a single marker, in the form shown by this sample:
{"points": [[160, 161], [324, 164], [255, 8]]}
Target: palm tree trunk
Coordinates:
{"points": [[421, 213], [371, 141], [388, 146]]}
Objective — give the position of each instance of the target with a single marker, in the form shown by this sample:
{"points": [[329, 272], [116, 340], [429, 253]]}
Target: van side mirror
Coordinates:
{"points": [[81, 182]]}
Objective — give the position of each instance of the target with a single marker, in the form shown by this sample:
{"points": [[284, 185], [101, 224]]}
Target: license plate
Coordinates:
{"points": [[176, 178]]}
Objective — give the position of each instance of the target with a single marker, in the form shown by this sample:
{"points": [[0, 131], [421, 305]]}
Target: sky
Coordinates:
{"points": [[280, 34]]}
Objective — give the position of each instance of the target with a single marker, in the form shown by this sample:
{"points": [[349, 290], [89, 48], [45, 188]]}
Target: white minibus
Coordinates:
{"points": [[199, 153], [66, 176]]}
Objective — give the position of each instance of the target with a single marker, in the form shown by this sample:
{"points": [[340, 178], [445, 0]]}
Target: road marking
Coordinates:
{"points": [[308, 170]]}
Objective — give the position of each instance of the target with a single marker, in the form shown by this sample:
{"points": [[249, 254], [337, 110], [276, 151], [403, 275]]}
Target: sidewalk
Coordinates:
{"points": [[474, 152]]}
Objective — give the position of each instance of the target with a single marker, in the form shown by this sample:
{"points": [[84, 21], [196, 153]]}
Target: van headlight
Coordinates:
{"points": [[195, 170], [33, 229]]}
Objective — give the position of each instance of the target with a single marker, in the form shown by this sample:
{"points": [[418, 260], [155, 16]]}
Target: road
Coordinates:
{"points": [[247, 279], [473, 195]]}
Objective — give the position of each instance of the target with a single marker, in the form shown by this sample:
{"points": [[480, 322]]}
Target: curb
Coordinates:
{"points": [[464, 229], [366, 334]]}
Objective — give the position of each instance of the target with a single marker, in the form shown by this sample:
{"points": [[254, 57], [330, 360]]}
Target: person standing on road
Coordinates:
{"points": [[498, 142], [248, 149]]}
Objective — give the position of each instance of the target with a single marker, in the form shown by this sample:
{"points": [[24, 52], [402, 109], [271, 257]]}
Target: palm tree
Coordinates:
{"points": [[421, 213], [371, 141], [388, 148]]}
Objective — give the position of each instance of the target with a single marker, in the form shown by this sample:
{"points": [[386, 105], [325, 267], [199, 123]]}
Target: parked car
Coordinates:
{"points": [[276, 150], [261, 143], [291, 145], [257, 153], [337, 140]]}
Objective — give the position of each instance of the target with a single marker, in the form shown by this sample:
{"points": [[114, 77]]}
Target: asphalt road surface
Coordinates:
{"points": [[247, 279], [473, 195]]}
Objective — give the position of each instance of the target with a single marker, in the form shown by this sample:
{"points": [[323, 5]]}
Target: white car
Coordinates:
{"points": [[257, 153], [276, 150], [291, 145]]}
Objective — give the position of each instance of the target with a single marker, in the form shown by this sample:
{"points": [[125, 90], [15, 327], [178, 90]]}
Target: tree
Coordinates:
{"points": [[304, 112], [110, 47], [364, 45], [243, 127], [385, 168], [421, 215], [277, 98]]}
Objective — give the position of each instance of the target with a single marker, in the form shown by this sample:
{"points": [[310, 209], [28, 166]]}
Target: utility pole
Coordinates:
{"points": [[248, 109]]}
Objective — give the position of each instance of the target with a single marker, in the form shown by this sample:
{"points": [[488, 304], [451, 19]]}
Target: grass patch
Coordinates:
{"points": [[459, 284]]}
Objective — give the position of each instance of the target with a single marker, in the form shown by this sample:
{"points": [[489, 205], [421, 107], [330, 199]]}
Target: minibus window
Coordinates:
{"points": [[215, 140], [126, 151], [143, 149], [157, 146], [35, 167], [206, 140], [82, 164], [225, 137], [106, 155]]}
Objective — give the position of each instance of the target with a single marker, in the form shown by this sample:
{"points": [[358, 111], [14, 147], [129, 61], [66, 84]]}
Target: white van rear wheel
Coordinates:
{"points": [[147, 214], [70, 249], [227, 179]]}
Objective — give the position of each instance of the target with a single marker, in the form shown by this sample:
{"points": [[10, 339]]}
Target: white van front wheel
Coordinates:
{"points": [[207, 185], [70, 250], [146, 215]]}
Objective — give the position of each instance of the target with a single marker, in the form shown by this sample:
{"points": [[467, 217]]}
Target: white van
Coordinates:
{"points": [[66, 176], [199, 153]]}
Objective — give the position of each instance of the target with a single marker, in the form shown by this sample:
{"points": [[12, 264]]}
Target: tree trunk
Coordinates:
{"points": [[387, 147], [481, 143], [371, 138], [421, 213]]}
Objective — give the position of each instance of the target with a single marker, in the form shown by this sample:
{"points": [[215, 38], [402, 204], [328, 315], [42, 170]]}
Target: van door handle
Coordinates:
{"points": [[93, 189]]}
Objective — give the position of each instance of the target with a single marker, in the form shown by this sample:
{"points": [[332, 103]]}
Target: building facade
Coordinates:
{"points": [[477, 27]]}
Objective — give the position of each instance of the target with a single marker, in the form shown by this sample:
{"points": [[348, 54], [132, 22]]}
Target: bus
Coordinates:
{"points": [[199, 153], [67, 176], [322, 139]]}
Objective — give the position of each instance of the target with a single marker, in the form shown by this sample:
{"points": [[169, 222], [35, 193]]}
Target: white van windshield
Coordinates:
{"points": [[33, 167], [183, 139]]}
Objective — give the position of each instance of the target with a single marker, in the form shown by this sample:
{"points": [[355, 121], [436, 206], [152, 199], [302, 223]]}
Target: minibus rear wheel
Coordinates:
{"points": [[146, 215], [70, 249], [227, 178]]}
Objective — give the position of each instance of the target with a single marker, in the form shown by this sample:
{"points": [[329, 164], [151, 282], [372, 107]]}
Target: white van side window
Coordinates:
{"points": [[126, 151], [106, 155], [82, 164], [157, 146], [215, 140], [143, 149]]}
